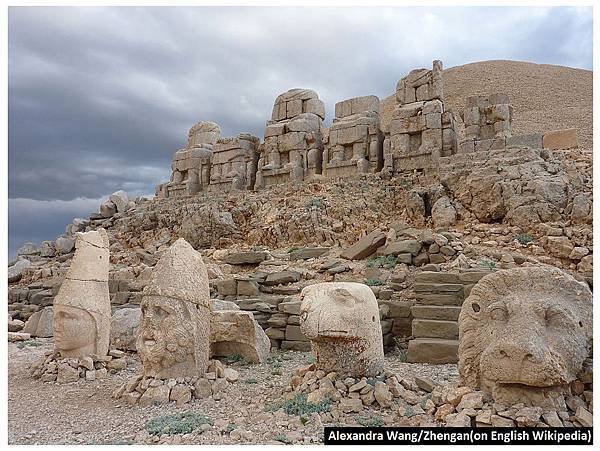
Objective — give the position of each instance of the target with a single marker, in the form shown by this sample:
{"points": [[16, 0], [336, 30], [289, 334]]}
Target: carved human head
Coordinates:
{"points": [[174, 332]]}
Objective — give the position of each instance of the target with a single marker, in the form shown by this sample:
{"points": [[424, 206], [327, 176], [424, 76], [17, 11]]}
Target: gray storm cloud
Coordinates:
{"points": [[100, 98]]}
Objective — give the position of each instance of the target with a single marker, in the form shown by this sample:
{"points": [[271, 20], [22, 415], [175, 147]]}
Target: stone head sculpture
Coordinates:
{"points": [[174, 331], [524, 333], [81, 319], [204, 132], [342, 321]]}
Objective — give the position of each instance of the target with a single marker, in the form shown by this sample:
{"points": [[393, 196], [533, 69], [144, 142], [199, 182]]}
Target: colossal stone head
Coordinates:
{"points": [[204, 132], [81, 319], [524, 333], [342, 321], [174, 332]]}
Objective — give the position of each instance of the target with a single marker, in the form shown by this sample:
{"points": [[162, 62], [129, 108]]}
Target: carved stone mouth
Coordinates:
{"points": [[332, 332]]}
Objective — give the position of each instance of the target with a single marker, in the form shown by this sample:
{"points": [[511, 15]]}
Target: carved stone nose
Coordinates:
{"points": [[518, 353]]}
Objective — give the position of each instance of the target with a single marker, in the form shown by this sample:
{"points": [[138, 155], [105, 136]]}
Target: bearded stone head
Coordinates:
{"points": [[174, 331], [171, 337], [342, 321], [524, 333]]}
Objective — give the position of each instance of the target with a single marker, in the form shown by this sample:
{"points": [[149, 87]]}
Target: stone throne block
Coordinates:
{"points": [[354, 142], [293, 144], [191, 166], [234, 163]]}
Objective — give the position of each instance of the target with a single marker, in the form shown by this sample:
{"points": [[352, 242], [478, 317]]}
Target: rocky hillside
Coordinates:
{"points": [[544, 97]]}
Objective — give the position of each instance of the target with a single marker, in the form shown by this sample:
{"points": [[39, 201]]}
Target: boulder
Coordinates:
{"points": [[245, 257], [64, 245], [108, 209], [16, 271], [365, 246], [121, 200], [40, 323], [47, 249], [235, 332], [123, 328], [443, 213], [308, 252], [282, 277], [28, 249]]}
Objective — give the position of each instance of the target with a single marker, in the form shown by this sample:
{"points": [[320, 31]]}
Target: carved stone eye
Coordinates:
{"points": [[499, 314]]}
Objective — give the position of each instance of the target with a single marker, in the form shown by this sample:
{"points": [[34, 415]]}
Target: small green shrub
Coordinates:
{"points": [[373, 282], [372, 421], [303, 420], [180, 423], [282, 438], [403, 355], [524, 238], [311, 359], [409, 412], [230, 428], [316, 202], [236, 358], [292, 249], [388, 262], [26, 343], [488, 264], [298, 405]]}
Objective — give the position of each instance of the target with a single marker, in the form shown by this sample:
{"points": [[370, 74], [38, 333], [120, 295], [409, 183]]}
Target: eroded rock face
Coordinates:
{"points": [[342, 321], [174, 332], [81, 319], [524, 334]]}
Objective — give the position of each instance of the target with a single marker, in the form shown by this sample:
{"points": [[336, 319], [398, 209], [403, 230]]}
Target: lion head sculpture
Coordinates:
{"points": [[524, 333]]}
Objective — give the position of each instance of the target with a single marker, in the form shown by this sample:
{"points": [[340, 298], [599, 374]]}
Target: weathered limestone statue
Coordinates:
{"points": [[174, 332], [192, 166], [421, 129], [234, 163], [342, 321], [524, 334], [82, 306], [354, 142], [293, 145]]}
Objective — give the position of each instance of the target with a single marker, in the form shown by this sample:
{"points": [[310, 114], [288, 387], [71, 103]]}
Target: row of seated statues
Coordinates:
{"points": [[296, 145]]}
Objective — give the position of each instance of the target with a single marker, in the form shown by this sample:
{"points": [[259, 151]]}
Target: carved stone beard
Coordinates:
{"points": [[173, 338]]}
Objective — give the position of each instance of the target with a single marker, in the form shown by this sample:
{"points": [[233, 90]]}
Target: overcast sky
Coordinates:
{"points": [[100, 98]]}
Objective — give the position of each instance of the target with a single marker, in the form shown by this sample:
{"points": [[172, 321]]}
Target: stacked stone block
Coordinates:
{"points": [[421, 130], [354, 142], [293, 146], [234, 163], [191, 166], [488, 122], [439, 298]]}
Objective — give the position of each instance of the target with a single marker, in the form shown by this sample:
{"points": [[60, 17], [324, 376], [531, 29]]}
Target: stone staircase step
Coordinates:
{"points": [[433, 350], [432, 328], [440, 312]]}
